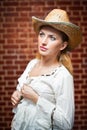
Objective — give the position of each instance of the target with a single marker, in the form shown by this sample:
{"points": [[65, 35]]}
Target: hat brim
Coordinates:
{"points": [[70, 29]]}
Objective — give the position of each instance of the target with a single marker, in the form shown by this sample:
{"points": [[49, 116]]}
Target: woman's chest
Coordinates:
{"points": [[43, 85]]}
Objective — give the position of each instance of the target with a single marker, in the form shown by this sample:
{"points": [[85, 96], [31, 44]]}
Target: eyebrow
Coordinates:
{"points": [[48, 34]]}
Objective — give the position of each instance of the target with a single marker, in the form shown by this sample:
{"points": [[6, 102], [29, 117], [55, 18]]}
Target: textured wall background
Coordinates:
{"points": [[18, 45]]}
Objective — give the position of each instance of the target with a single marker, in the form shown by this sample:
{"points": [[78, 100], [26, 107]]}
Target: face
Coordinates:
{"points": [[50, 42]]}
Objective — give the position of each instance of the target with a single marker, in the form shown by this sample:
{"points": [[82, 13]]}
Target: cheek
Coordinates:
{"points": [[57, 46], [56, 49], [39, 40]]}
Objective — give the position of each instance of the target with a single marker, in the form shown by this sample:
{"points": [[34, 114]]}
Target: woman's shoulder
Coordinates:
{"points": [[32, 62], [63, 71]]}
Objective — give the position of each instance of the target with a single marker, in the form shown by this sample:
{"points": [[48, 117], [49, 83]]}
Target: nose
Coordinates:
{"points": [[44, 41]]}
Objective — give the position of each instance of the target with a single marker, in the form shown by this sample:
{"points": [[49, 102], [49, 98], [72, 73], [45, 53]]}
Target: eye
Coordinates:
{"points": [[52, 38], [41, 34]]}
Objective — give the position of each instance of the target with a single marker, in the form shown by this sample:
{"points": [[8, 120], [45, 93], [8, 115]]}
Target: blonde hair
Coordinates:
{"points": [[66, 61]]}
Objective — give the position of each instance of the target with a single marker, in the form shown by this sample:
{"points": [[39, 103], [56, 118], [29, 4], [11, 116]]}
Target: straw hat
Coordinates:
{"points": [[59, 20]]}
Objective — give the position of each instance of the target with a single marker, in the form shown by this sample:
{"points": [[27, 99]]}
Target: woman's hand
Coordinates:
{"points": [[15, 98], [29, 93]]}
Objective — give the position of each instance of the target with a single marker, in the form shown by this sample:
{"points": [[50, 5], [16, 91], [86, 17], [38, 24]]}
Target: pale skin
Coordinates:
{"points": [[50, 44]]}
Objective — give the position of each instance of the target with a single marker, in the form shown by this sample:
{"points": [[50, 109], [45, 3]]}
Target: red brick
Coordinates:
{"points": [[2, 31], [76, 7], [10, 57], [2, 9], [10, 3], [10, 14], [21, 19], [10, 46], [22, 3], [10, 30], [37, 3], [11, 41], [20, 41], [8, 25], [22, 8], [10, 67], [11, 9]]}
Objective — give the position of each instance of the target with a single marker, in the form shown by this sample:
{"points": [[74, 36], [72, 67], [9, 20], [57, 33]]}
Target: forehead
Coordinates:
{"points": [[50, 29]]}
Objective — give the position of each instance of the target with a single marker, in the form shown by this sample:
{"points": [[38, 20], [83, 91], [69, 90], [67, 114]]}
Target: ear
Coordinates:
{"points": [[64, 45]]}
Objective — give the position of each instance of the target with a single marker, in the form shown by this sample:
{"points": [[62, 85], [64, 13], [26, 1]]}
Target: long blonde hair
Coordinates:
{"points": [[66, 61]]}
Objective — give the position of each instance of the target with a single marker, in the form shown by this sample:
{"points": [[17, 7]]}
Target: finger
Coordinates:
{"points": [[14, 102], [15, 98], [22, 90], [24, 86]]}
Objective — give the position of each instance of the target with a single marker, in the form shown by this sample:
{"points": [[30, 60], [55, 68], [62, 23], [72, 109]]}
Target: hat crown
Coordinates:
{"points": [[57, 15]]}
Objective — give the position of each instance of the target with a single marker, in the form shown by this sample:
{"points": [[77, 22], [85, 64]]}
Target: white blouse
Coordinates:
{"points": [[55, 90]]}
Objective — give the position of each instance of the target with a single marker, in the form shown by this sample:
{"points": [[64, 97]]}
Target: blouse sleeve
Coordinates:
{"points": [[64, 108]]}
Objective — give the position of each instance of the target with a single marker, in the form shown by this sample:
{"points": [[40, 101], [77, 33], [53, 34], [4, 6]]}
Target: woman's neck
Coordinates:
{"points": [[44, 61]]}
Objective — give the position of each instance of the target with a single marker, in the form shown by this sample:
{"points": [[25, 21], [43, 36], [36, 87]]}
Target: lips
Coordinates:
{"points": [[43, 48]]}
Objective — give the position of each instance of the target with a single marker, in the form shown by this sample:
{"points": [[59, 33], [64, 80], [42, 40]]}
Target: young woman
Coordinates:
{"points": [[44, 99]]}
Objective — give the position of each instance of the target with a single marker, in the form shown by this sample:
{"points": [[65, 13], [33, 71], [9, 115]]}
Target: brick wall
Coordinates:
{"points": [[18, 46]]}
